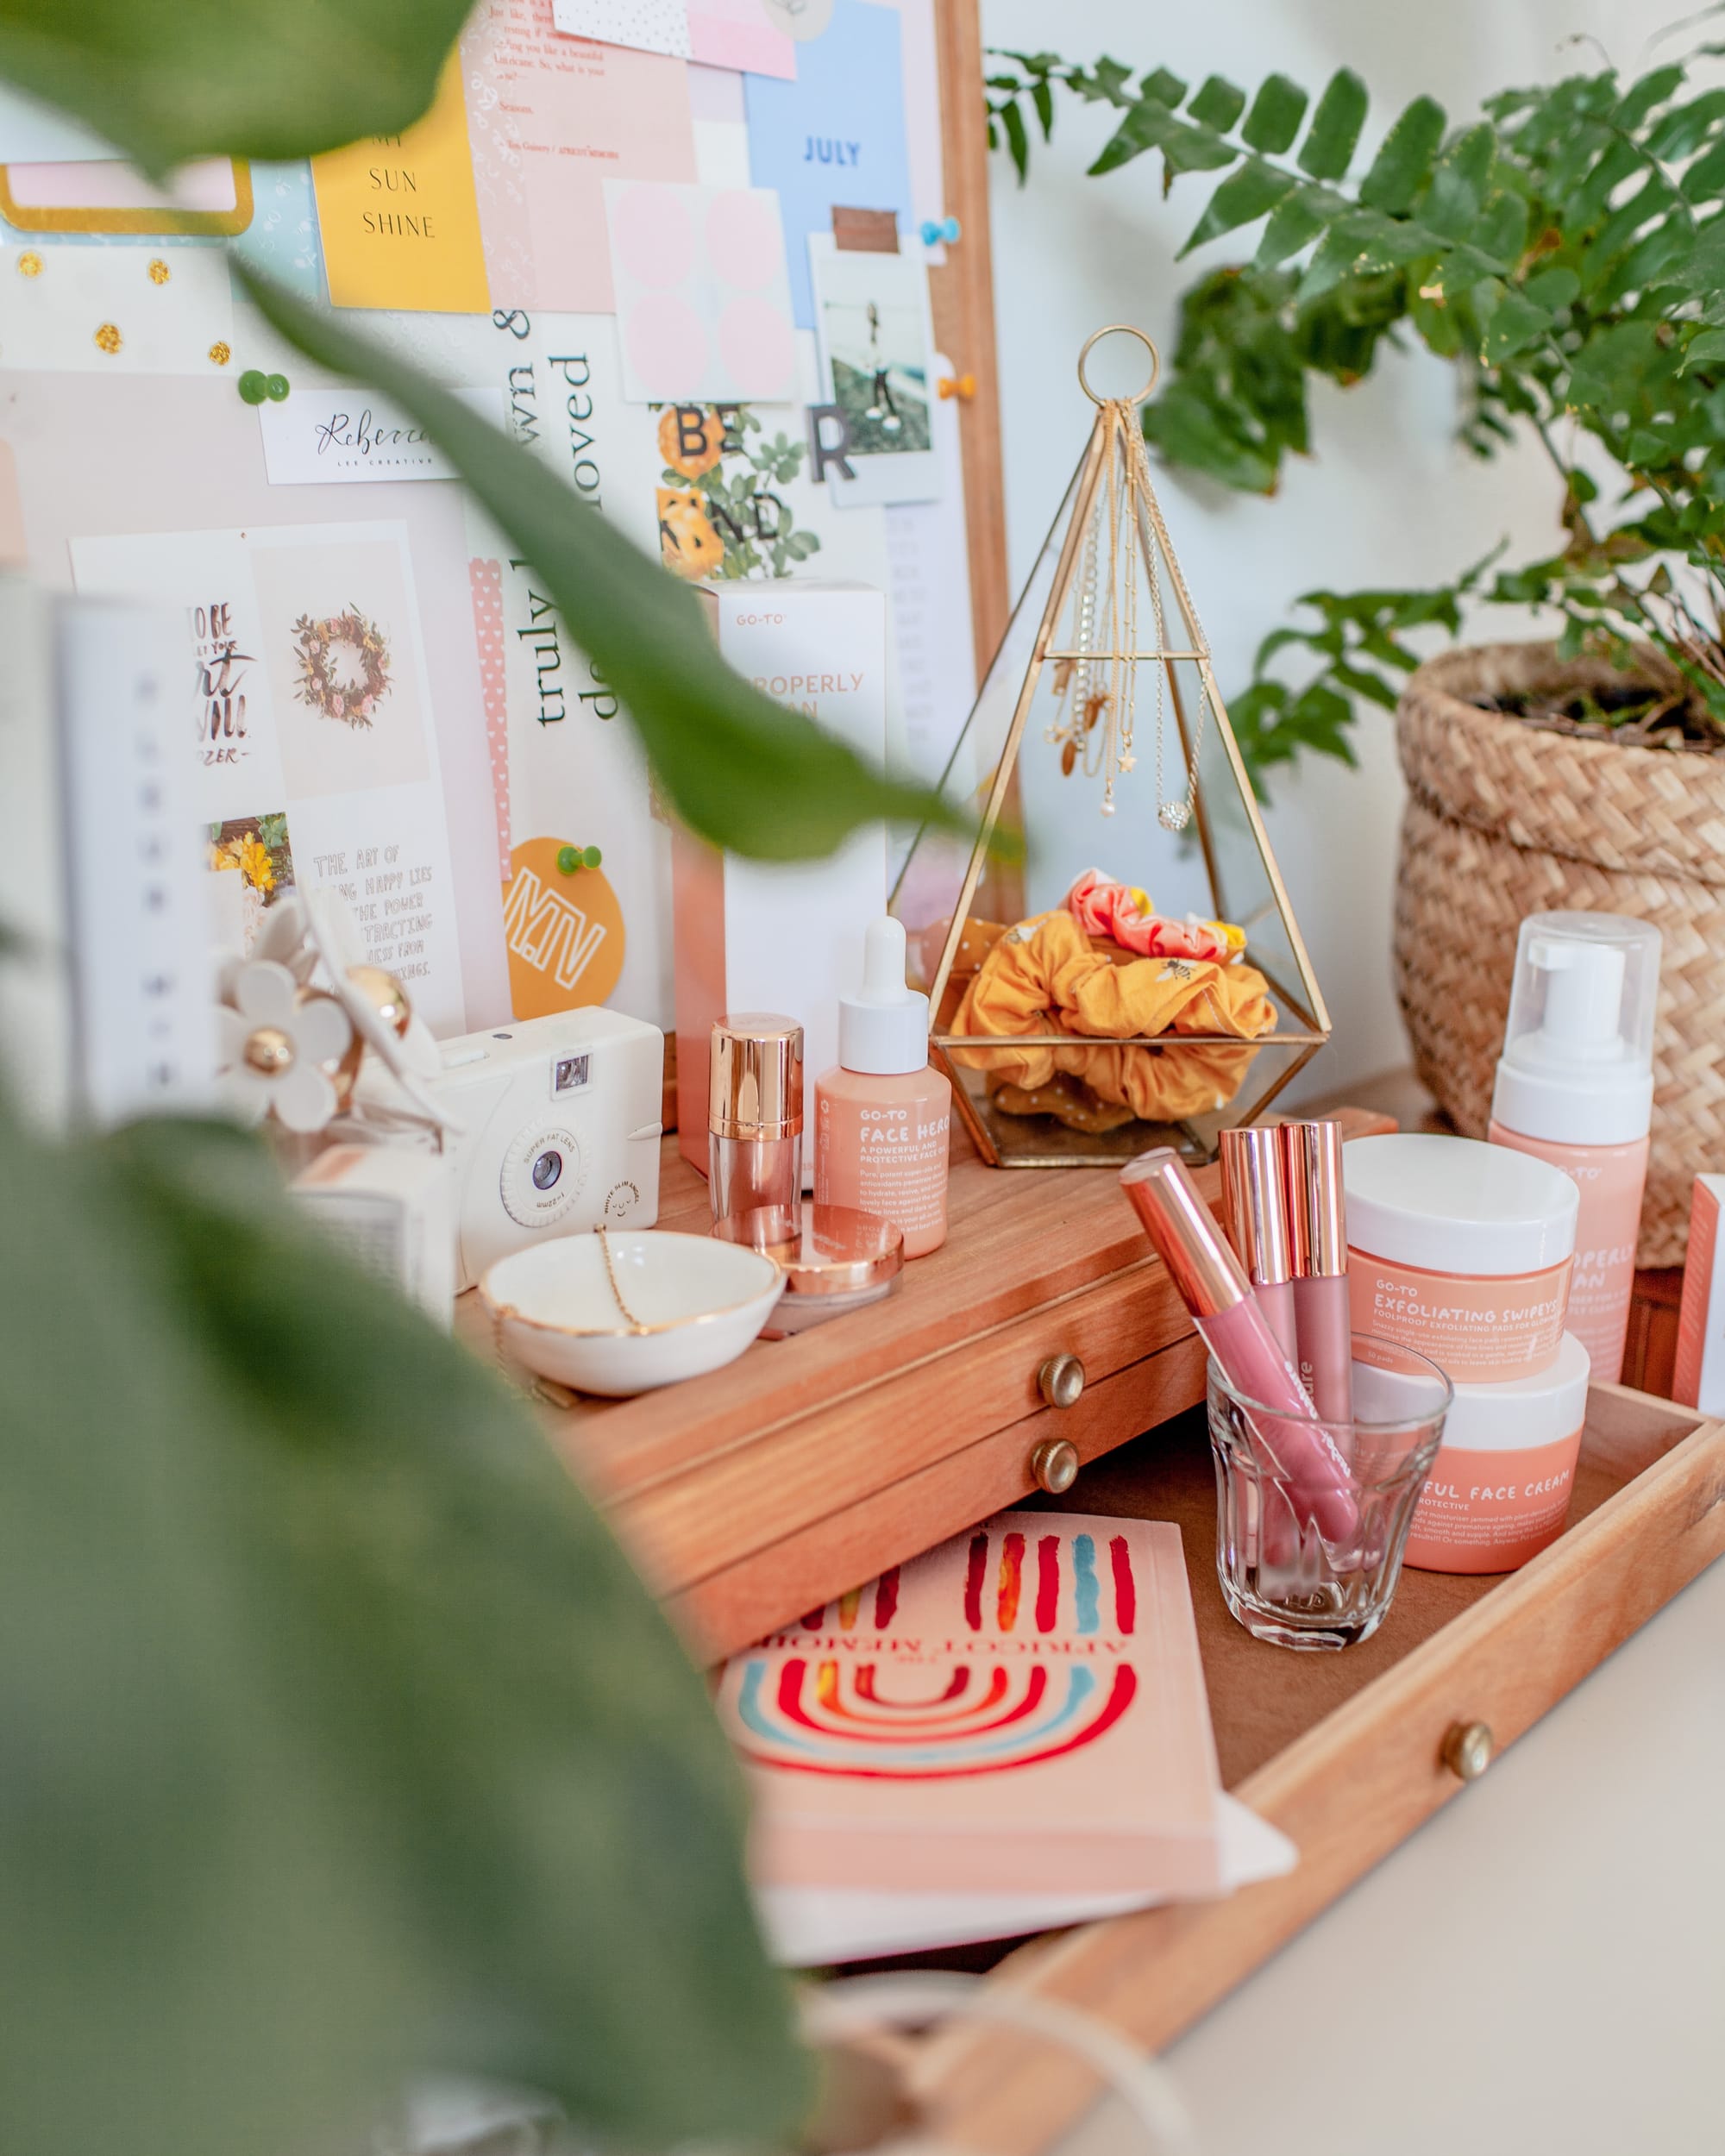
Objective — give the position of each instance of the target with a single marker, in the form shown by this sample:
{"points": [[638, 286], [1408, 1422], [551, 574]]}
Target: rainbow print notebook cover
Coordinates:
{"points": [[1023, 1705]]}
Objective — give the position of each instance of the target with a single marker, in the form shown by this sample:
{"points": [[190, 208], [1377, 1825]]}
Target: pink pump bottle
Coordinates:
{"points": [[1575, 1088]]}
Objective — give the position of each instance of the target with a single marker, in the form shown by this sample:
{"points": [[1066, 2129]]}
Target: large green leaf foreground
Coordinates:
{"points": [[740, 769], [241, 78], [340, 1740]]}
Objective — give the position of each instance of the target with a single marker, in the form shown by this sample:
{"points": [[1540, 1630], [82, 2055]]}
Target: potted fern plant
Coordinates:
{"points": [[1566, 251]]}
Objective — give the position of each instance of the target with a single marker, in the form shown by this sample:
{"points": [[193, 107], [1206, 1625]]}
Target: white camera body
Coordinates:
{"points": [[562, 1129]]}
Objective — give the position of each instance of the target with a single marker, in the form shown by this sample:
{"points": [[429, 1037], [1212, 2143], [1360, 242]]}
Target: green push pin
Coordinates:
{"points": [[275, 388], [254, 387], [569, 858]]}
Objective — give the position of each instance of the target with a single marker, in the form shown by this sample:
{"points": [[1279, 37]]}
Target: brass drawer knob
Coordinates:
{"points": [[1054, 1465], [1060, 1380], [1469, 1748]]}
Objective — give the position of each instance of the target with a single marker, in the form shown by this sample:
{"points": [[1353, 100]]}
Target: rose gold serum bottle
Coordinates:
{"points": [[754, 1112], [1255, 1209], [1312, 1162]]}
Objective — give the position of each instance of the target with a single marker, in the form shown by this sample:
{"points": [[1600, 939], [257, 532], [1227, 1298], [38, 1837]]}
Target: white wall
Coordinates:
{"points": [[1388, 498]]}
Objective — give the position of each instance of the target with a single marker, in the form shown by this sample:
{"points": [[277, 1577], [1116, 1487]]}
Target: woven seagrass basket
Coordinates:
{"points": [[1505, 820]]}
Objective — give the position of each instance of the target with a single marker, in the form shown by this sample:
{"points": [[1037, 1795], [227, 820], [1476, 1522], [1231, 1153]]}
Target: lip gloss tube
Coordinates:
{"points": [[1255, 1208], [1312, 1159], [1215, 1288]]}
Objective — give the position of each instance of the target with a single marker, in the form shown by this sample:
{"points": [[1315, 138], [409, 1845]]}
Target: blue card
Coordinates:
{"points": [[834, 135]]}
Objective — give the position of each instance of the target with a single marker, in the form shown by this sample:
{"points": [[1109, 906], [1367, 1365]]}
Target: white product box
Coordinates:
{"points": [[771, 935], [1699, 1378], [390, 1209]]}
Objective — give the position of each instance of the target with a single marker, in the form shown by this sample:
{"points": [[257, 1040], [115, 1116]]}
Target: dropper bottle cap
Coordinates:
{"points": [[1578, 1061], [883, 1029]]}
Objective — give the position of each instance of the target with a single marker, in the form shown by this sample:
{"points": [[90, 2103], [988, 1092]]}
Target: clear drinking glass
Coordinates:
{"points": [[1281, 1576]]}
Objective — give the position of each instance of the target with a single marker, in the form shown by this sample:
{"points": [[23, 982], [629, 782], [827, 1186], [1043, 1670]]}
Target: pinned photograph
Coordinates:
{"points": [[877, 356]]}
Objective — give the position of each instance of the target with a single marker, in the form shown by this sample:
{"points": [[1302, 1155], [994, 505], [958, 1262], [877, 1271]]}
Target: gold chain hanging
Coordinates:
{"points": [[1095, 684]]}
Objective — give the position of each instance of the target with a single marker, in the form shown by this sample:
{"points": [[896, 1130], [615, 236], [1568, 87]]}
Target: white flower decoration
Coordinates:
{"points": [[272, 1042]]}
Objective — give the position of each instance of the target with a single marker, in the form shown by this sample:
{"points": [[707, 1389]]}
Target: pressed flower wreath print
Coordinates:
{"points": [[343, 666]]}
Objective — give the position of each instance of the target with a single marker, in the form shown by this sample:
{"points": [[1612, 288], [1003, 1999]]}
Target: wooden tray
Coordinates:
{"points": [[813, 1462], [1343, 1752]]}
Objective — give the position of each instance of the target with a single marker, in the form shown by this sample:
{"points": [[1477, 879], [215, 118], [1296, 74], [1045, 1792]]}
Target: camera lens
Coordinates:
{"points": [[546, 1170]]}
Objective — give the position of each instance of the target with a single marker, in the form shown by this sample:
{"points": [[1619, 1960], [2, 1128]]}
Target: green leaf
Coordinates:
{"points": [[1218, 104], [1184, 426], [1043, 98], [237, 77], [1554, 289], [1017, 142], [1700, 351], [1334, 132], [340, 1742], [1651, 90], [1704, 181], [1686, 127], [740, 769], [1458, 184], [1515, 324], [1161, 87], [1297, 220], [1400, 169], [1276, 112], [1148, 125], [1243, 197]]}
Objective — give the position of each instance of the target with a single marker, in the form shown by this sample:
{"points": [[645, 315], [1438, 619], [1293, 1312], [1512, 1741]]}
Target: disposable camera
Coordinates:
{"points": [[562, 1130]]}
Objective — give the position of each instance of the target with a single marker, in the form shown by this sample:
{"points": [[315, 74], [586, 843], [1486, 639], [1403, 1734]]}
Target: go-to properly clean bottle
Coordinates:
{"points": [[1575, 1088], [882, 1117]]}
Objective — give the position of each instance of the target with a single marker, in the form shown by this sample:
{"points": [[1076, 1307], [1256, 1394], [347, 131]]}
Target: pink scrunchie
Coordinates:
{"points": [[1102, 907]]}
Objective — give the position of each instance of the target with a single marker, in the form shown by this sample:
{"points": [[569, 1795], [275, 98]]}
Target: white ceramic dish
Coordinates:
{"points": [[699, 1304]]}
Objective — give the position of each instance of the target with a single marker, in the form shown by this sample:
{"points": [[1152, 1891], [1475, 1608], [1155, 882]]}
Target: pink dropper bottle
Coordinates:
{"points": [[1215, 1289]]}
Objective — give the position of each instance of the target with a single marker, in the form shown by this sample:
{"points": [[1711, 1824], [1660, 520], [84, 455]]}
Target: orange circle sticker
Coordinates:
{"points": [[563, 928]]}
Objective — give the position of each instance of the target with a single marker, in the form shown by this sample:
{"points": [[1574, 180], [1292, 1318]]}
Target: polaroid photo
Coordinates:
{"points": [[876, 342]]}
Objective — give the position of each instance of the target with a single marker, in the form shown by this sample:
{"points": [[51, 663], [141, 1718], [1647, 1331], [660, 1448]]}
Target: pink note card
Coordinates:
{"points": [[703, 295], [734, 34], [551, 119]]}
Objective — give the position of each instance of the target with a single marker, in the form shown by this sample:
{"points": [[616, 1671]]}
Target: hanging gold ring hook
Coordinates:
{"points": [[1126, 329]]}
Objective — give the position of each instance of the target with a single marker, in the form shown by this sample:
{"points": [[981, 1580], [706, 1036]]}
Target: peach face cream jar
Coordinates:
{"points": [[1459, 1250], [1499, 1489]]}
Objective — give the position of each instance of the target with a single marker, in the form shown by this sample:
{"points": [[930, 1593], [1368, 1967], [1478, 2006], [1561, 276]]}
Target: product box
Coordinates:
{"points": [[1023, 1706], [777, 936], [1699, 1379], [390, 1209]]}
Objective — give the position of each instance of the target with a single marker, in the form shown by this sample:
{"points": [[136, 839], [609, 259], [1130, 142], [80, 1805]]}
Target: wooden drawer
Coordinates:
{"points": [[813, 1462], [1343, 1752]]}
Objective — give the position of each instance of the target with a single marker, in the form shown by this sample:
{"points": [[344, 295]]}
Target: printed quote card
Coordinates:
{"points": [[398, 217], [309, 722]]}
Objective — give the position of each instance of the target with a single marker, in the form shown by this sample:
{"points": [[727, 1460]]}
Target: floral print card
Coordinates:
{"points": [[317, 762]]}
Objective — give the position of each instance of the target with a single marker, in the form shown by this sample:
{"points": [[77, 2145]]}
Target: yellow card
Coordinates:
{"points": [[399, 221]]}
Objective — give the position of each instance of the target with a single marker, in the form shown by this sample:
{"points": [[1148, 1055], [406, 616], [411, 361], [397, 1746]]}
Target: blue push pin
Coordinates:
{"points": [[933, 234]]}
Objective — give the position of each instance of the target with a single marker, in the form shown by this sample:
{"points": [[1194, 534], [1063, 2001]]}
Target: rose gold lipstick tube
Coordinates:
{"points": [[1254, 1207], [1312, 1163], [754, 1112]]}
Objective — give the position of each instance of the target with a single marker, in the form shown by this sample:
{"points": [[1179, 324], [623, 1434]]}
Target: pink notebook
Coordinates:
{"points": [[1022, 1707]]}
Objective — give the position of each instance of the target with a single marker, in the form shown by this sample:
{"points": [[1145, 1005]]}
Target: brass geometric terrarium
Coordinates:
{"points": [[1142, 981]]}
